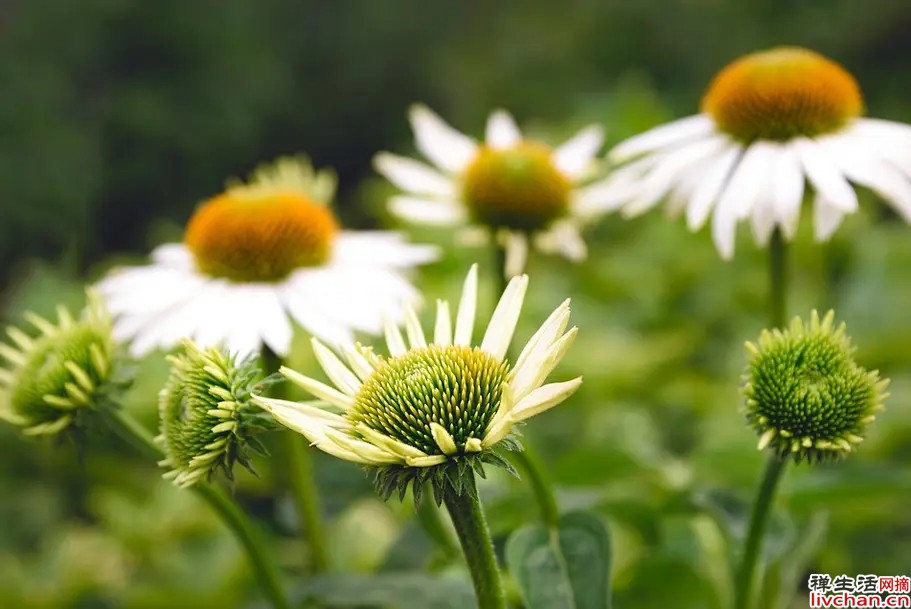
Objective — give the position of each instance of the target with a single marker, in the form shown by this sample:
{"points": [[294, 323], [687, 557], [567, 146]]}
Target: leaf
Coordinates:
{"points": [[783, 574], [564, 569]]}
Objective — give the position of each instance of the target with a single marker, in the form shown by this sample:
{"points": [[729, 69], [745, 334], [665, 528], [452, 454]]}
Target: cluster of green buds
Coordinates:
{"points": [[806, 397], [61, 372], [206, 414]]}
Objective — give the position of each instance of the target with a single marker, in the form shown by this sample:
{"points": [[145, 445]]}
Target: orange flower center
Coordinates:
{"points": [[782, 93], [253, 238], [518, 188]]}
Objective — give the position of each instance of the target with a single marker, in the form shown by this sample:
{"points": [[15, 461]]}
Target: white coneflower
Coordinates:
{"points": [[770, 121], [206, 414], [258, 256], [519, 189], [437, 406], [68, 369]]}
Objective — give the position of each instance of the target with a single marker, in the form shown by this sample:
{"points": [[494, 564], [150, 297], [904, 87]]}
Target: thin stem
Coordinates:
{"points": [[526, 461], [471, 526], [778, 279], [301, 479], [746, 576], [266, 571], [530, 466]]}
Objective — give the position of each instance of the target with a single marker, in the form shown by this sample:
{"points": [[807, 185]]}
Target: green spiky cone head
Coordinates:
{"points": [[58, 374], [806, 397], [206, 417]]}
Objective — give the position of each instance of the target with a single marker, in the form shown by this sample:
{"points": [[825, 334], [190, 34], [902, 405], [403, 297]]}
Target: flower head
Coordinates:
{"points": [[805, 395], [256, 257], [515, 187], [770, 122], [67, 369], [432, 409], [206, 414]]}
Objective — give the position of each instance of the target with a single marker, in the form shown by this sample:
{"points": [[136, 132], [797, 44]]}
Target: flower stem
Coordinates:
{"points": [[301, 480], [761, 508], [266, 571], [778, 279], [471, 526], [526, 460]]}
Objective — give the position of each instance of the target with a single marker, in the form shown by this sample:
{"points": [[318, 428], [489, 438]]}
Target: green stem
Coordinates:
{"points": [[746, 576], [266, 571], [530, 466], [471, 526], [301, 479], [431, 520], [778, 279], [526, 461]]}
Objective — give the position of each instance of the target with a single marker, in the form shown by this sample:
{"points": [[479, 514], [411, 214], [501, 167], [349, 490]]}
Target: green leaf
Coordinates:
{"points": [[782, 578], [564, 569]]}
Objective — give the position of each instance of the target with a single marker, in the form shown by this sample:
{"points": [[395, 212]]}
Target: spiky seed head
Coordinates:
{"points": [[59, 371], [206, 416], [806, 397]]}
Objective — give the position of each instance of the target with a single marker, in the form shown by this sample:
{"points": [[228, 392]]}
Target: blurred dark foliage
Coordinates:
{"points": [[117, 112]]}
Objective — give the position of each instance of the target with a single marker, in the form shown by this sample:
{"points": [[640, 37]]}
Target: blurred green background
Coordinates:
{"points": [[117, 117]]}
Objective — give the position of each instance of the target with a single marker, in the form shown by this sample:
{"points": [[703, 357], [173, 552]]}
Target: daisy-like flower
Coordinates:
{"points": [[206, 414], [771, 121], [258, 256], [515, 188], [806, 396], [67, 369], [433, 409]]}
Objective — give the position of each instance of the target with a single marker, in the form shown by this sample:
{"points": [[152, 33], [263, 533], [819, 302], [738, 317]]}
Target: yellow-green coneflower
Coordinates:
{"points": [[806, 397], [60, 372], [437, 406], [206, 414], [770, 122]]}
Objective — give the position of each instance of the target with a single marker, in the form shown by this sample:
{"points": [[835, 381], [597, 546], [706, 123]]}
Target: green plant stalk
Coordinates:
{"points": [[746, 575], [301, 480], [778, 279], [526, 461], [265, 569], [471, 526]]}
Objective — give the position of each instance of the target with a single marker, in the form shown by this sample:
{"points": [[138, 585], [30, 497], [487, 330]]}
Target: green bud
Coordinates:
{"points": [[806, 397]]}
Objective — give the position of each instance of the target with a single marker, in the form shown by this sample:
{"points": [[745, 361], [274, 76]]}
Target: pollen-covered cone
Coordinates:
{"points": [[258, 257], [57, 373], [437, 401], [206, 414], [516, 188], [806, 397], [773, 125]]}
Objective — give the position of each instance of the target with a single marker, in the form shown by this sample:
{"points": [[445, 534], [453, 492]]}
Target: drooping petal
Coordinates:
{"points": [[668, 134], [825, 176]]}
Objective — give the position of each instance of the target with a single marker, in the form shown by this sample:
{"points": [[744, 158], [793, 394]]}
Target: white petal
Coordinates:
{"points": [[444, 146], [428, 211], [516, 246], [358, 362], [174, 255], [668, 134], [739, 196], [368, 452], [394, 446], [337, 372], [394, 341], [787, 189], [543, 337], [562, 238], [413, 328], [467, 305], [377, 249], [824, 175], [826, 217], [275, 329], [540, 363], [305, 310], [442, 333], [575, 156], [505, 316], [715, 176], [502, 131], [318, 389], [443, 439], [413, 176], [544, 398]]}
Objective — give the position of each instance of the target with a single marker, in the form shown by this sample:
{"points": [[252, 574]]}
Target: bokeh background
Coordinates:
{"points": [[118, 117]]}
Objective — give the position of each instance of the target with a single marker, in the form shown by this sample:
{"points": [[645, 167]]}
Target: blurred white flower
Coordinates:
{"points": [[515, 188], [258, 256], [770, 121]]}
